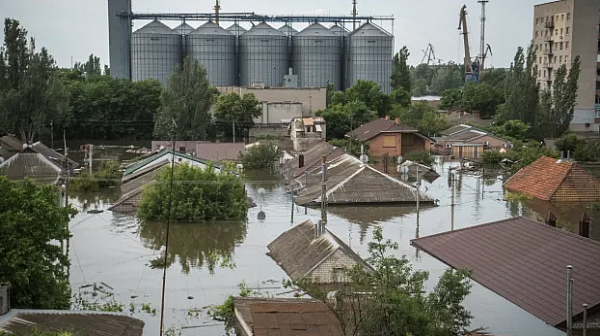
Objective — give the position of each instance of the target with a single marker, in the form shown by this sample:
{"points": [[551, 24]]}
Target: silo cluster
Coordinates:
{"points": [[262, 55]]}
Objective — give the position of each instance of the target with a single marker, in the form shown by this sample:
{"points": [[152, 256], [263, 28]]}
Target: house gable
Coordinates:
{"points": [[332, 269]]}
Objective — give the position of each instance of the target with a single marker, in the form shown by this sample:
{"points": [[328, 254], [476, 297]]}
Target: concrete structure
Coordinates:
{"points": [[283, 103], [306, 131], [119, 37], [211, 151], [563, 30]]}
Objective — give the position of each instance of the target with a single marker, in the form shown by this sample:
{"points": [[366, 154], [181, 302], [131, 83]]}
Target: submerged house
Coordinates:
{"points": [[284, 317], [555, 180], [465, 141], [31, 164], [526, 262], [311, 158], [351, 182], [310, 252]]}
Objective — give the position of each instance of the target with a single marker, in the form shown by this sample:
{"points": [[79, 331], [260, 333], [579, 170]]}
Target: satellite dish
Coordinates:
{"points": [[364, 158], [404, 177], [400, 159], [403, 169]]}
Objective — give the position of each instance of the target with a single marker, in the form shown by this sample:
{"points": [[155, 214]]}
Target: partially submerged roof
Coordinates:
{"points": [[286, 317], [53, 155], [525, 262], [12, 141], [553, 179], [158, 155], [298, 251], [372, 129], [88, 323], [349, 181], [313, 157], [32, 164]]}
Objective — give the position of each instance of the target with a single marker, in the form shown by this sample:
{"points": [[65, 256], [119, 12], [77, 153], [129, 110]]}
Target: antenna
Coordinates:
{"points": [[217, 8], [482, 36], [354, 14]]}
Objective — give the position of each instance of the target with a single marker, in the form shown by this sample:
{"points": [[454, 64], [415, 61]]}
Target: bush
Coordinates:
{"points": [[84, 182], [198, 195], [492, 157], [423, 157], [262, 156], [109, 175], [587, 151]]}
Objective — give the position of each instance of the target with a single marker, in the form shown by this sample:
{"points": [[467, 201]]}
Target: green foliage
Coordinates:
{"points": [[102, 107], [265, 156], [452, 99], [512, 129], [495, 77], [482, 98], [492, 156], [91, 67], [433, 122], [517, 197], [198, 195], [522, 155], [31, 92], [187, 101], [588, 151], [371, 95], [396, 303], [30, 220], [422, 116], [423, 157], [569, 142], [38, 332], [225, 311], [435, 79], [85, 182], [341, 119], [401, 97], [232, 108], [400, 78], [108, 175], [329, 95]]}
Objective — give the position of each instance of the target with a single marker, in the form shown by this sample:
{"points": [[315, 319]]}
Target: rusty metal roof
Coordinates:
{"points": [[286, 317], [550, 179], [374, 128], [525, 262]]}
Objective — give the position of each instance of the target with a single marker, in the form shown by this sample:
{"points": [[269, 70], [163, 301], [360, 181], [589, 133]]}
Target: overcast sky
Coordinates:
{"points": [[77, 28]]}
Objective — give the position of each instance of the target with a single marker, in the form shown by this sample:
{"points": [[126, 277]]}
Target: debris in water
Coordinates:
{"points": [[94, 212], [190, 297], [133, 296]]}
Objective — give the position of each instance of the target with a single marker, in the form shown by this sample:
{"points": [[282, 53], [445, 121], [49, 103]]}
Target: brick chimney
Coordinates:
{"points": [[397, 121], [387, 117]]}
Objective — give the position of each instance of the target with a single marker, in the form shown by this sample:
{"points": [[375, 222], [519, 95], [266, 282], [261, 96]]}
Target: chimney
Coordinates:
{"points": [[569, 155], [584, 225], [397, 121], [4, 298], [387, 117], [551, 219]]}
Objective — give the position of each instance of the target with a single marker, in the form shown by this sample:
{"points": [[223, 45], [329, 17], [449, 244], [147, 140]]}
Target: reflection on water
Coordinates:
{"points": [[196, 244], [85, 201]]}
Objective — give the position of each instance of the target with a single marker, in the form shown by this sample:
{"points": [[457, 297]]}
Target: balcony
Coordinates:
{"points": [[549, 65], [597, 107]]}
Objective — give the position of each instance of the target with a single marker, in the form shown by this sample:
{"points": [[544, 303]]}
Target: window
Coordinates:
{"points": [[566, 59], [539, 73], [555, 59], [389, 141], [182, 149], [551, 32], [544, 73], [568, 16], [560, 59], [537, 20], [536, 33], [556, 31], [562, 17], [545, 59], [560, 45], [561, 31], [567, 45], [567, 30]]}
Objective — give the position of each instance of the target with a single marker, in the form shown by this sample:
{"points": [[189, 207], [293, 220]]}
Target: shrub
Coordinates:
{"points": [[262, 156], [587, 151], [423, 157], [492, 157], [517, 197], [84, 182], [109, 174], [198, 195]]}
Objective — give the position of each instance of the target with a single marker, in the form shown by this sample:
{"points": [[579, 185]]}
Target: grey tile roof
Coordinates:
{"points": [[30, 164], [53, 155], [372, 129]]}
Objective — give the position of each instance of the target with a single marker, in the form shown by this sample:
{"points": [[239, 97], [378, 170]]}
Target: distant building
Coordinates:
{"points": [[209, 151], [390, 137], [526, 263], [431, 101], [555, 180], [304, 253], [563, 30], [304, 132], [465, 141], [284, 317]]}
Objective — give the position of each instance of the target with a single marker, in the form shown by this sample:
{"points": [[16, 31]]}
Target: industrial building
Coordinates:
{"points": [[259, 56], [563, 30]]}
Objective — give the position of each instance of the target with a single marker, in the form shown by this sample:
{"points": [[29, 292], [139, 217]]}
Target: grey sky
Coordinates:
{"points": [[77, 28]]}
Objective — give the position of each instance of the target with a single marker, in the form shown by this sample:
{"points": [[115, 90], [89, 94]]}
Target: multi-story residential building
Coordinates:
{"points": [[563, 30]]}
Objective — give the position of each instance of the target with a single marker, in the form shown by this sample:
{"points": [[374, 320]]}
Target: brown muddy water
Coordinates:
{"points": [[207, 261]]}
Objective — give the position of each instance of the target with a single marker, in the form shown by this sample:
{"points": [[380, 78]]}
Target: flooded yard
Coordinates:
{"points": [[207, 261]]}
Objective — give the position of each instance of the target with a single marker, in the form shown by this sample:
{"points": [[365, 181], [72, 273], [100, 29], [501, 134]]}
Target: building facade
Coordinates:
{"points": [[563, 30]]}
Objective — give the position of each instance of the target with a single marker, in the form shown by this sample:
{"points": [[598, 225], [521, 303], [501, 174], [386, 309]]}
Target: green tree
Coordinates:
{"points": [[513, 129], [482, 98], [198, 195], [557, 108], [401, 73], [587, 151], [371, 94], [448, 76], [452, 99], [91, 67], [187, 101], [329, 95], [338, 121], [433, 122], [495, 77], [31, 92], [261, 156], [31, 221], [232, 108], [569, 142], [401, 97]]}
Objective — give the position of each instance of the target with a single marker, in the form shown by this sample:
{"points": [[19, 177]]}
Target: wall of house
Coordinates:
{"points": [[331, 270], [402, 144], [413, 143], [494, 143], [471, 152]]}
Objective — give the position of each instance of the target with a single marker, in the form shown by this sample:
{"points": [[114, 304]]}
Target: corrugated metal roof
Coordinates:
{"points": [[184, 29], [288, 30], [236, 29], [551, 179], [155, 27], [30, 164], [525, 262], [135, 166], [339, 30], [286, 317], [316, 29], [211, 28], [263, 29], [369, 30], [298, 251]]}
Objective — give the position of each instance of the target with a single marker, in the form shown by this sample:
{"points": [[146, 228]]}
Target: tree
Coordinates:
{"points": [[91, 67], [433, 122], [588, 151], [513, 129], [495, 77], [338, 121], [232, 108], [569, 142], [448, 76], [401, 97], [198, 195], [329, 95], [400, 73], [31, 221], [31, 93], [262, 156], [371, 94], [482, 98], [187, 101], [452, 99]]}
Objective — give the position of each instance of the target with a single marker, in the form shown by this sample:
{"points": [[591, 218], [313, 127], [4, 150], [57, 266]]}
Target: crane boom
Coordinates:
{"points": [[485, 54], [462, 24]]}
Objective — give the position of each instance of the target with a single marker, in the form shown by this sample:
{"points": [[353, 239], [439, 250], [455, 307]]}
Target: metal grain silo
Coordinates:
{"points": [[236, 29], [214, 48], [287, 30], [317, 57], [369, 56], [263, 56], [155, 51], [184, 29], [339, 30]]}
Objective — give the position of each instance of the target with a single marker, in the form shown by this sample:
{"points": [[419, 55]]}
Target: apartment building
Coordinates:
{"points": [[563, 30]]}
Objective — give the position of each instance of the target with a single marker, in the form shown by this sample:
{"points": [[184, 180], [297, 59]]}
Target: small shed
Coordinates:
{"points": [[30, 164], [555, 180], [284, 317], [303, 254]]}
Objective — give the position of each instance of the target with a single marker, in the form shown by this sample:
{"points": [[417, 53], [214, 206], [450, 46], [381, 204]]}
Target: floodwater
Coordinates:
{"points": [[207, 261]]}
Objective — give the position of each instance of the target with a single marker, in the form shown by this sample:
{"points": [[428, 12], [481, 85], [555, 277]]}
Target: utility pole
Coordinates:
{"points": [[233, 128], [418, 189], [354, 14], [290, 176], [452, 204], [482, 36], [52, 134], [323, 196]]}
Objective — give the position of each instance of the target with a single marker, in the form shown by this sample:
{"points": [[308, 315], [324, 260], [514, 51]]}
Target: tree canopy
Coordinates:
{"points": [[400, 78], [30, 221], [232, 109]]}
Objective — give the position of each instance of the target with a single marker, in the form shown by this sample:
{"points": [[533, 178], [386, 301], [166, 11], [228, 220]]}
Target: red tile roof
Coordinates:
{"points": [[525, 262], [372, 129], [555, 180]]}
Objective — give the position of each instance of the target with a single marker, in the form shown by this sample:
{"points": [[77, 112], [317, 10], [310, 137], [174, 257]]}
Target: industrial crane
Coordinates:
{"points": [[488, 48], [471, 68], [429, 54]]}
